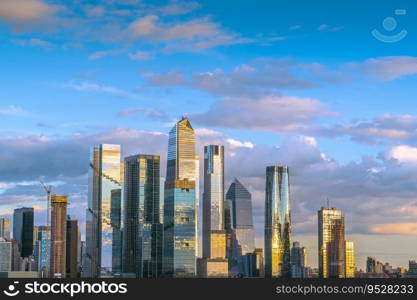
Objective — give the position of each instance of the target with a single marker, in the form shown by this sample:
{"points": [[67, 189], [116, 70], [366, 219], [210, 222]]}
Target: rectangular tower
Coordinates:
{"points": [[331, 243], [58, 236], [350, 259], [23, 230], [5, 228], [104, 176], [72, 246], [277, 222], [142, 239]]}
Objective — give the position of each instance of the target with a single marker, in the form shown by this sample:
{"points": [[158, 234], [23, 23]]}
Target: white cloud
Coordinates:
{"points": [[404, 154], [14, 111], [140, 55], [391, 67], [98, 88]]}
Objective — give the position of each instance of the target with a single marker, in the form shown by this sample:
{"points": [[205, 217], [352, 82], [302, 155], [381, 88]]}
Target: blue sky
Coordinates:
{"points": [[301, 83]]}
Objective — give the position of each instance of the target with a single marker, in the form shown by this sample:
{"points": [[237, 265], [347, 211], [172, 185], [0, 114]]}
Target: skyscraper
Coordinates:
{"points": [[23, 230], [331, 243], [180, 202], [142, 241], [58, 235], [43, 250], [298, 260], [277, 223], [238, 217], [104, 176], [213, 194], [5, 228], [116, 224], [350, 259], [72, 246]]}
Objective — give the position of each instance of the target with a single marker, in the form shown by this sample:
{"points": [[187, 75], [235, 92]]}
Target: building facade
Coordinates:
{"points": [[117, 234], [277, 237], [43, 250], [180, 203], [298, 261], [5, 228], [238, 224], [350, 259], [104, 176], [58, 236], [331, 243], [72, 248], [23, 219], [5, 255], [142, 241]]}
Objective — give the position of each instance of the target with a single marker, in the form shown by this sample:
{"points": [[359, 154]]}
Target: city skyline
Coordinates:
{"points": [[292, 84]]}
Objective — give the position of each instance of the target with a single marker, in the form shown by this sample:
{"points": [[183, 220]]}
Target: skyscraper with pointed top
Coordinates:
{"points": [[277, 223], [180, 203]]}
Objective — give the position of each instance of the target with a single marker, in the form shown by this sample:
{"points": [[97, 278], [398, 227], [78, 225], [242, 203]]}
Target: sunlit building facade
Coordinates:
{"points": [[277, 237], [142, 228], [180, 203], [58, 236], [5, 228], [350, 259], [331, 243], [213, 194], [104, 176]]}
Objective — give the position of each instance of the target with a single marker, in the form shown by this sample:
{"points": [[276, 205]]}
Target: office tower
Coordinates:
{"points": [[277, 223], [213, 194], [374, 266], [58, 235], [42, 250], [23, 230], [5, 255], [412, 269], [35, 236], [116, 224], [72, 243], [180, 202], [331, 243], [104, 176], [213, 262], [350, 259], [82, 258], [142, 240], [238, 224], [5, 228], [161, 199], [260, 262], [198, 211], [298, 260]]}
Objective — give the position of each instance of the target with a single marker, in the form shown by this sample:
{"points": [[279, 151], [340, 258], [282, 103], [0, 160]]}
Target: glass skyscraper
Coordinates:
{"points": [[104, 176], [277, 223], [332, 251], [116, 224], [238, 224], [213, 195], [72, 248], [23, 230], [43, 249], [298, 261], [143, 231], [180, 203]]}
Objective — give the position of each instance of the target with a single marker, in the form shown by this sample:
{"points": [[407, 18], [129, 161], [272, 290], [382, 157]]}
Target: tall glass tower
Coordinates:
{"points": [[104, 176], [180, 203], [331, 243], [42, 251], [239, 225], [277, 223], [213, 195], [142, 240], [5, 228], [23, 219]]}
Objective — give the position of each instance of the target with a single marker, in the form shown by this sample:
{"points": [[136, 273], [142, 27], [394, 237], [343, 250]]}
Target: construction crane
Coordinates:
{"points": [[48, 190]]}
